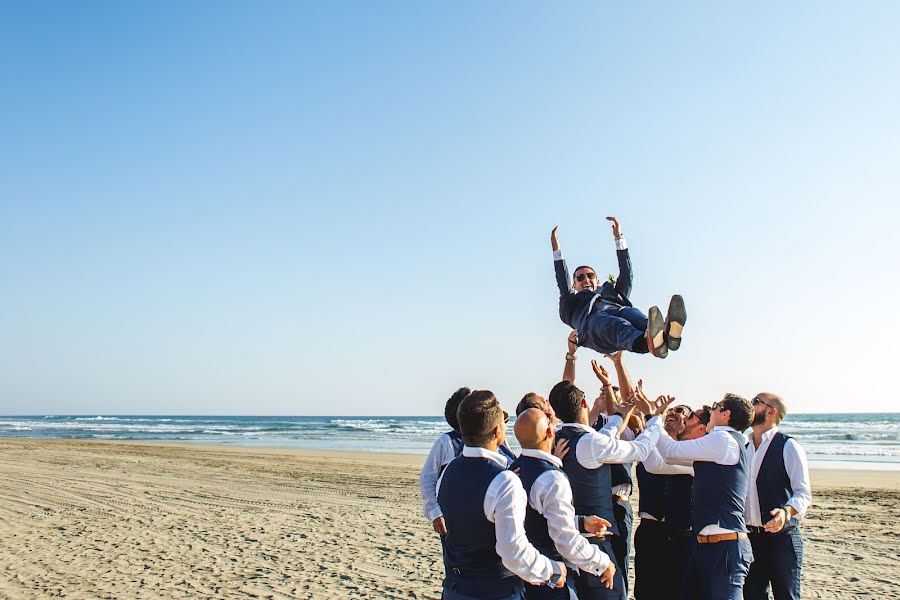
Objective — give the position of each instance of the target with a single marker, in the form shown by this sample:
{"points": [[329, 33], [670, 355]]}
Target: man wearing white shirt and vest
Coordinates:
{"points": [[550, 521], [777, 498], [486, 552], [587, 465], [722, 554]]}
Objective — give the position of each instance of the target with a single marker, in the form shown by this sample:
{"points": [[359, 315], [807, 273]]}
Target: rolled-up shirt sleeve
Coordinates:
{"points": [[596, 448], [441, 454], [551, 495], [796, 465], [504, 505]]}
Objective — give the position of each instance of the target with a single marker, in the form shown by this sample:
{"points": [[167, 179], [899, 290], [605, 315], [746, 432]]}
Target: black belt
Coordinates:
{"points": [[755, 529]]}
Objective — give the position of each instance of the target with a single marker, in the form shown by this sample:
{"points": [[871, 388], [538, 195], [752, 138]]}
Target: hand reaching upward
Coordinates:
{"points": [[616, 227], [554, 241]]}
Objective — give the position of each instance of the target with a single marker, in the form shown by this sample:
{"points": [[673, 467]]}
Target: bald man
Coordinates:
{"points": [[777, 498], [550, 520]]}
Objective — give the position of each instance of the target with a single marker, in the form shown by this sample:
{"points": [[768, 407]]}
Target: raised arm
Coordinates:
{"points": [[625, 279], [559, 265], [626, 387], [569, 369]]}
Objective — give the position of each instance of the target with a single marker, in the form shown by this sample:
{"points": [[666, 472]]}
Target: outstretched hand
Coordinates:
{"points": [[601, 373], [561, 448], [661, 404], [573, 342], [554, 241], [616, 227]]}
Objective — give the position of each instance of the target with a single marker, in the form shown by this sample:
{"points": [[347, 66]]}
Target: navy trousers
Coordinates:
{"points": [[681, 547], [779, 557], [591, 588], [622, 543], [612, 328], [543, 592], [718, 571], [651, 557]]}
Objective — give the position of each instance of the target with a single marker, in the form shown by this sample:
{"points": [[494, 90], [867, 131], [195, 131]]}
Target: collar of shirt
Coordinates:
{"points": [[578, 426], [477, 452], [766, 436], [724, 428], [533, 453]]}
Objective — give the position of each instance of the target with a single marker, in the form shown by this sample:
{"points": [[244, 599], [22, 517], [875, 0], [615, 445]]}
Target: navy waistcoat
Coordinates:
{"points": [[505, 451], [652, 487], [470, 556], [619, 473], [679, 489], [719, 491], [535, 523], [773, 484], [591, 488]]}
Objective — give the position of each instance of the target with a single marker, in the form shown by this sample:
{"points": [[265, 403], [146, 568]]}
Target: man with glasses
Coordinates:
{"points": [[603, 315], [486, 551], [722, 554], [587, 465], [777, 498], [663, 540], [550, 520]]}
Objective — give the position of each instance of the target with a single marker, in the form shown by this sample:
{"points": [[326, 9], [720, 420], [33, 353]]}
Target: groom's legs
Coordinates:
{"points": [[607, 332]]}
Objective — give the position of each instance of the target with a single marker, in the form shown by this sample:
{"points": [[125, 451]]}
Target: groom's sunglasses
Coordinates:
{"points": [[583, 276]]}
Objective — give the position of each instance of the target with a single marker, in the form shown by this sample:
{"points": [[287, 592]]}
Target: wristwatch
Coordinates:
{"points": [[557, 575]]}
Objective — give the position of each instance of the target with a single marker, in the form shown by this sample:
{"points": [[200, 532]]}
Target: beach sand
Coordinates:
{"points": [[114, 520]]}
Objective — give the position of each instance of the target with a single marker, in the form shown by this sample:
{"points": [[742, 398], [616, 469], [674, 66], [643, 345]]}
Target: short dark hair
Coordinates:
{"points": [[478, 414], [741, 411], [703, 413], [583, 267], [530, 400], [566, 401], [453, 404]]}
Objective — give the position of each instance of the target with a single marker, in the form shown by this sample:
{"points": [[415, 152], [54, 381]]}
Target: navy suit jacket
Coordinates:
{"points": [[573, 306]]}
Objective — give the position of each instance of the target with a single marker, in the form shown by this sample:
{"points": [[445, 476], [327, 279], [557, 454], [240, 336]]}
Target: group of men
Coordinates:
{"points": [[719, 514]]}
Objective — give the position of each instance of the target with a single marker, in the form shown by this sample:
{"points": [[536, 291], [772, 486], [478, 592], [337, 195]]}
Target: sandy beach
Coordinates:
{"points": [[115, 520]]}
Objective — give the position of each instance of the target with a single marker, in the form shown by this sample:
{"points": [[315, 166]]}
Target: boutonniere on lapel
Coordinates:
{"points": [[611, 279]]}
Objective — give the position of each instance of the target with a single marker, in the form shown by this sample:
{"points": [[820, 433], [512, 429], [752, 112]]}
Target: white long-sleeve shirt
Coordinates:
{"points": [[656, 465], [718, 447], [551, 496], [797, 468], [441, 454], [505, 503], [601, 447], [622, 490]]}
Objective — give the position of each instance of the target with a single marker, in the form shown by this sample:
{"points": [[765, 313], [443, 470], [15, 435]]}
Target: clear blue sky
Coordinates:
{"points": [[344, 207]]}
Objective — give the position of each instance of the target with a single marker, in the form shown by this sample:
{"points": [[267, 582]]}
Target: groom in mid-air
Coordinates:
{"points": [[603, 315]]}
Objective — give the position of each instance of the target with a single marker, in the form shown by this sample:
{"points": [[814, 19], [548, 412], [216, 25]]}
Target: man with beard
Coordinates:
{"points": [[663, 539], [777, 498], [721, 555]]}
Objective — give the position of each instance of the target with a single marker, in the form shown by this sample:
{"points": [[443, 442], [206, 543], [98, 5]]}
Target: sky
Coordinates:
{"points": [[344, 208]]}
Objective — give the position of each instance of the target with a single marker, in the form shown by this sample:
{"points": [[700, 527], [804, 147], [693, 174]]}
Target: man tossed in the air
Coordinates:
{"points": [[603, 315]]}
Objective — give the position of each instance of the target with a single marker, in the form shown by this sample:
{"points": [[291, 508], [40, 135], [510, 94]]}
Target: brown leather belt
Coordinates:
{"points": [[721, 537]]}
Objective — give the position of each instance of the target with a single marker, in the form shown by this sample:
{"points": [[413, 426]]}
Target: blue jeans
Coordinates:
{"points": [[779, 557], [611, 328]]}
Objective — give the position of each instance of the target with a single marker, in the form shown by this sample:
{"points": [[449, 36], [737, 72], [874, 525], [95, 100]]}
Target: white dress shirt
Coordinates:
{"points": [[797, 469], [505, 502], [622, 490], [441, 454], [551, 496], [600, 447], [718, 447]]}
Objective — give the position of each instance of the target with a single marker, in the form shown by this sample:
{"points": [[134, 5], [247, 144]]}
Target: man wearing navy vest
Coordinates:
{"points": [[486, 552], [550, 521], [721, 556], [663, 540], [777, 498], [587, 465], [447, 447]]}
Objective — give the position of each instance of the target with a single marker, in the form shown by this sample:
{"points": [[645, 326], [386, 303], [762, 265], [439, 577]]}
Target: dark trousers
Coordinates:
{"points": [[621, 543], [778, 559], [717, 571], [591, 588], [543, 592], [651, 560], [681, 547], [611, 328]]}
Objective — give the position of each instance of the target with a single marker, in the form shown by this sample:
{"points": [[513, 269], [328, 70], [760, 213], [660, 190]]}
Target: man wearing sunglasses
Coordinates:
{"points": [[777, 498], [550, 520], [486, 553], [663, 540], [603, 315], [722, 554]]}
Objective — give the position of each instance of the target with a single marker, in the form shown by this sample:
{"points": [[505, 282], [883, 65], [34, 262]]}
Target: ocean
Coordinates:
{"points": [[860, 440]]}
